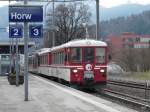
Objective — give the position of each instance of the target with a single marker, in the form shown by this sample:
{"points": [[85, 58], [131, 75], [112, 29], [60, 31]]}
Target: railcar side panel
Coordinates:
{"points": [[62, 73]]}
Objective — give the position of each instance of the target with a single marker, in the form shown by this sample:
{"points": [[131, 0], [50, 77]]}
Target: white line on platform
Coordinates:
{"points": [[102, 106]]}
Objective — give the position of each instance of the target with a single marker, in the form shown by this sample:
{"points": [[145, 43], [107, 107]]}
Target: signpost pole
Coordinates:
{"points": [[13, 54], [26, 56], [17, 69], [10, 57]]}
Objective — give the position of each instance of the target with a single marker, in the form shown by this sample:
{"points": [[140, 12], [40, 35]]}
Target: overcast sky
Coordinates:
{"points": [[111, 3], [2, 3], [106, 3]]}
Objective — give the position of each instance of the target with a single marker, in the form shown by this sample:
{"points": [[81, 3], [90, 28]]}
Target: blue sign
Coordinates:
{"points": [[35, 31], [25, 13], [15, 31]]}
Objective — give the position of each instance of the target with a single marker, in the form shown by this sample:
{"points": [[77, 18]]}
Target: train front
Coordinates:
{"points": [[89, 65]]}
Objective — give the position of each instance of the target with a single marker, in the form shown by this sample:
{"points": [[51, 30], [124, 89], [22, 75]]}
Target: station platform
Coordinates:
{"points": [[49, 96]]}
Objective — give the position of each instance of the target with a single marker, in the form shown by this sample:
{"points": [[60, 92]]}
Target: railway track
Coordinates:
{"points": [[125, 99], [129, 99], [130, 84]]}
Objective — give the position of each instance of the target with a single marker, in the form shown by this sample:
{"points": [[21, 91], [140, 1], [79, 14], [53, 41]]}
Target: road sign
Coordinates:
{"points": [[15, 31], [25, 13], [35, 31]]}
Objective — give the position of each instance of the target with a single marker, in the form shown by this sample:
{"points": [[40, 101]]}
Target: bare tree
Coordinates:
{"points": [[68, 22], [144, 60], [135, 60]]}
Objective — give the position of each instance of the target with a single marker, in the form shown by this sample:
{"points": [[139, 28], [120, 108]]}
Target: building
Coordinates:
{"points": [[128, 40], [6, 58], [5, 46], [119, 44]]}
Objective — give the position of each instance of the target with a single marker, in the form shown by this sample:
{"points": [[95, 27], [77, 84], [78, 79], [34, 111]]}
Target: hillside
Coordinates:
{"points": [[118, 11], [122, 10], [139, 24]]}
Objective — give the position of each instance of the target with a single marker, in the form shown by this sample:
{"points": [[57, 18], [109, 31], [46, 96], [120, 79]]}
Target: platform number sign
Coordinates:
{"points": [[15, 31], [35, 31]]}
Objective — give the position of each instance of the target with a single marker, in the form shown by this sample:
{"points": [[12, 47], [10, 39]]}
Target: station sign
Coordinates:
{"points": [[15, 31], [25, 13], [35, 31]]}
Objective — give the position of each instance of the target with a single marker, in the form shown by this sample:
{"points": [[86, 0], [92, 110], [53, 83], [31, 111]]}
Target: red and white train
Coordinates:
{"points": [[81, 63]]}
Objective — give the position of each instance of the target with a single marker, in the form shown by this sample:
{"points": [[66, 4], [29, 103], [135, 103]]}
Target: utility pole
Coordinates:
{"points": [[53, 20], [97, 20]]}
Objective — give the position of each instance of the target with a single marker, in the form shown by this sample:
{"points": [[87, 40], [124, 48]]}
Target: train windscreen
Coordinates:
{"points": [[100, 55]]}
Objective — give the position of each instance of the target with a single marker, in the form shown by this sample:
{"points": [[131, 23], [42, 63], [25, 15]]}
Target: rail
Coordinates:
{"points": [[127, 99], [130, 84]]}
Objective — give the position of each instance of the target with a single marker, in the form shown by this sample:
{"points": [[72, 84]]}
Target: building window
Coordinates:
{"points": [[124, 40], [130, 40], [137, 39]]}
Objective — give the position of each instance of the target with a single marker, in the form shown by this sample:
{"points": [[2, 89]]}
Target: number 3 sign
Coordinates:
{"points": [[15, 31], [35, 31]]}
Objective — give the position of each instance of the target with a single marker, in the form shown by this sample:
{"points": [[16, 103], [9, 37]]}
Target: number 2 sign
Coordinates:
{"points": [[35, 31], [15, 31]]}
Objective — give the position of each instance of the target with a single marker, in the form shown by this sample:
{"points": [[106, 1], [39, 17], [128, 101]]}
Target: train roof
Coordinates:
{"points": [[74, 43], [43, 50], [81, 43]]}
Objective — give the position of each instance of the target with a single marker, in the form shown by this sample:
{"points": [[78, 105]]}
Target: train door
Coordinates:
{"points": [[88, 62]]}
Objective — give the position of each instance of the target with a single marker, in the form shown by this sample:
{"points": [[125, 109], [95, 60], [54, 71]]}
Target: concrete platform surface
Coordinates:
{"points": [[48, 96]]}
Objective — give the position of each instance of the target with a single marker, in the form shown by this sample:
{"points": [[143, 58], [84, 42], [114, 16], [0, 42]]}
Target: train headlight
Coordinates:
{"points": [[75, 71], [102, 70]]}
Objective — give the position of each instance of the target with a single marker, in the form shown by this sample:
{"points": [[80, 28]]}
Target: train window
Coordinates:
{"points": [[53, 58], [76, 55], [63, 57], [38, 60], [100, 55], [60, 57], [5, 57], [46, 59], [88, 55], [59, 61], [56, 58], [42, 60]]}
